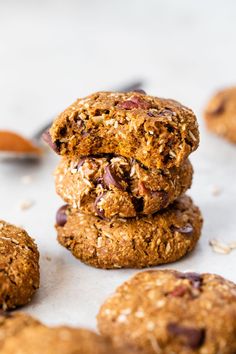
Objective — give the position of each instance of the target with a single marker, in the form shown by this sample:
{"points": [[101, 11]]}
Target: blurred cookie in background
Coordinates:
{"points": [[220, 114]]}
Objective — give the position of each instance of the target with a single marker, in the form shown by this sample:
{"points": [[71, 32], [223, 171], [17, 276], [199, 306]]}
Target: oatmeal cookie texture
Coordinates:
{"points": [[220, 114], [136, 242], [19, 266], [167, 312], [160, 133], [114, 186], [25, 335]]}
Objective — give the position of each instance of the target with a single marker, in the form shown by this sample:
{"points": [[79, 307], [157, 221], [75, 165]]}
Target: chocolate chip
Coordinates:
{"points": [[187, 229], [194, 337], [138, 204], [61, 216], [194, 278], [179, 291], [110, 178], [46, 136], [99, 212]]}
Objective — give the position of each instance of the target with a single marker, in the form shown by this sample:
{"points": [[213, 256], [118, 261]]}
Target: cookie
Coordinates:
{"points": [[139, 242], [160, 133], [11, 324], [59, 340], [19, 266], [220, 114], [114, 186], [171, 312]]}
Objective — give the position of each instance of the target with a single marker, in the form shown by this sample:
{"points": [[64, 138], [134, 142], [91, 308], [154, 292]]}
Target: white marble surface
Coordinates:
{"points": [[53, 51]]}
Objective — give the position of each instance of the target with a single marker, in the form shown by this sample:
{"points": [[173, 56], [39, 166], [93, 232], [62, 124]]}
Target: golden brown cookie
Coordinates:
{"points": [[220, 114], [171, 312], [139, 242], [160, 133], [13, 323], [58, 340], [114, 186], [19, 266]]}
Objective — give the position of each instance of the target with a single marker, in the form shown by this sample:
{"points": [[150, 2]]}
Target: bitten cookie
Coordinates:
{"points": [[137, 242], [112, 186], [160, 133], [19, 266], [171, 312], [220, 114], [58, 340], [12, 323]]}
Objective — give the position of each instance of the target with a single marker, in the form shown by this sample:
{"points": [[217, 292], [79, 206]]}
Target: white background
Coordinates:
{"points": [[52, 52]]}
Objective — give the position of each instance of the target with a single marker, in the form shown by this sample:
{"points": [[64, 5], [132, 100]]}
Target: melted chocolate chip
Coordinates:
{"points": [[46, 136], [61, 216], [194, 278], [110, 178], [194, 337], [138, 204]]}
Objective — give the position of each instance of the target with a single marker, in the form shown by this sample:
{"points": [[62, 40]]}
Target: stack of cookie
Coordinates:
{"points": [[123, 172]]}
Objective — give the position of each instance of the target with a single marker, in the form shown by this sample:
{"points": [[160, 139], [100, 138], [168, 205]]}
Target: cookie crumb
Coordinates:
{"points": [[26, 204], [216, 190]]}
